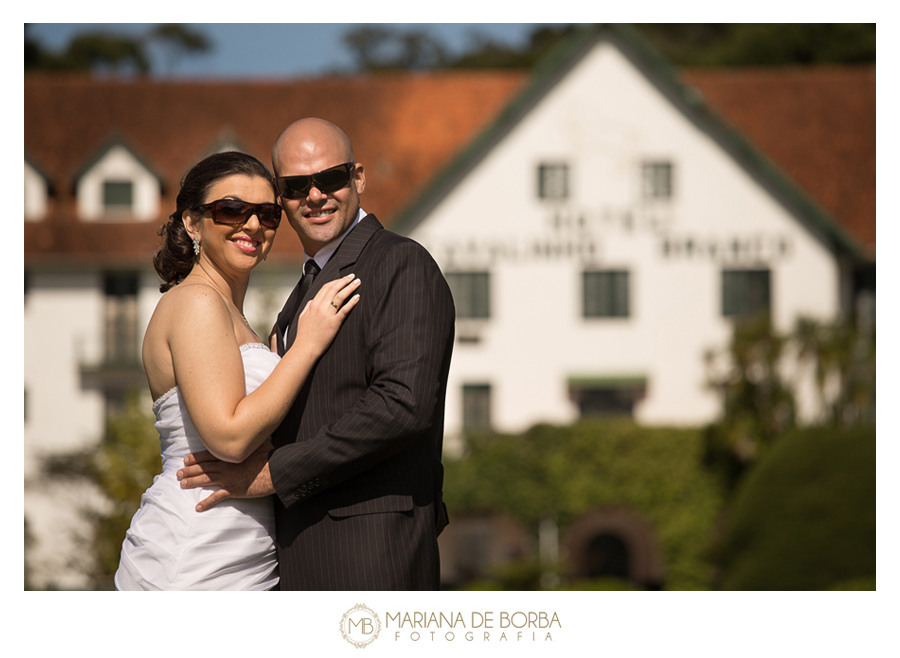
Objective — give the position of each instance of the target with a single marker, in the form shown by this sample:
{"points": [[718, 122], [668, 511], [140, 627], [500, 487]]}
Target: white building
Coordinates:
{"points": [[603, 234], [600, 226]]}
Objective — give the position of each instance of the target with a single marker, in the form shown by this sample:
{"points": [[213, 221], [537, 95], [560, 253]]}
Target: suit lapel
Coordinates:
{"points": [[344, 257]]}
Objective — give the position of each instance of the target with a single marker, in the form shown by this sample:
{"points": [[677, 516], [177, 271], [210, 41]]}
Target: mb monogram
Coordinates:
{"points": [[360, 626]]}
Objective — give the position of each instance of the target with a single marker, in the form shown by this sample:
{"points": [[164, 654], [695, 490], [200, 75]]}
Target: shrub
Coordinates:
{"points": [[804, 517]]}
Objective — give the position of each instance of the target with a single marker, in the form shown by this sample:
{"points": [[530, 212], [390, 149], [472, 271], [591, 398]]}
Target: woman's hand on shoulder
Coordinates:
{"points": [[320, 320]]}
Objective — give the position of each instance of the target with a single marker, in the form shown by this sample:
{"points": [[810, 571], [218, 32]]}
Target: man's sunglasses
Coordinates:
{"points": [[326, 181], [235, 212]]}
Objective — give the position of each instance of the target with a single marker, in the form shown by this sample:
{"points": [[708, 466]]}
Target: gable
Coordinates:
{"points": [[652, 200], [37, 192], [226, 140], [555, 75], [117, 185], [608, 127]]}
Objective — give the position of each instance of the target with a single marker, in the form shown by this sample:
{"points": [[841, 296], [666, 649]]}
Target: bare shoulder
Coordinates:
{"points": [[179, 314], [187, 308], [195, 301], [191, 293]]}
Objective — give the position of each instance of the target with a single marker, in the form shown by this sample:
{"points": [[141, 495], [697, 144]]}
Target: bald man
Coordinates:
{"points": [[356, 465]]}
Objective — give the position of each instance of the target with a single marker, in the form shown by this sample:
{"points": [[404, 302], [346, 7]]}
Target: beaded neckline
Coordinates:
{"points": [[253, 346]]}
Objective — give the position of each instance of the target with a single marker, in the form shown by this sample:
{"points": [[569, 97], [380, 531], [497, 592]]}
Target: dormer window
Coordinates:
{"points": [[118, 185], [117, 196]]}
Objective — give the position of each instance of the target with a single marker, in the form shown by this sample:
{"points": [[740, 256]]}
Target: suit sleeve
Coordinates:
{"points": [[410, 331]]}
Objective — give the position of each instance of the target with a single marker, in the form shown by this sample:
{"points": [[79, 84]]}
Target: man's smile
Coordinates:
{"points": [[325, 213]]}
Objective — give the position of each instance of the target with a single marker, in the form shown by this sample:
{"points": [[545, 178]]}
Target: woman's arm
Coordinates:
{"points": [[210, 374]]}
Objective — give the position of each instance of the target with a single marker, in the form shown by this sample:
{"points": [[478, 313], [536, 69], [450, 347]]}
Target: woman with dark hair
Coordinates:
{"points": [[216, 386]]}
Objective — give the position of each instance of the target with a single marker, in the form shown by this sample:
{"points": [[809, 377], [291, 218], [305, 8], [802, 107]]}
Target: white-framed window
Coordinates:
{"points": [[121, 309], [746, 293], [476, 407], [118, 196], [605, 294], [553, 181], [471, 294], [656, 180]]}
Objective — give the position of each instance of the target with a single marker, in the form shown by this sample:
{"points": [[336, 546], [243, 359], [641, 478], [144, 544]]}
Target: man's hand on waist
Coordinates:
{"points": [[248, 479]]}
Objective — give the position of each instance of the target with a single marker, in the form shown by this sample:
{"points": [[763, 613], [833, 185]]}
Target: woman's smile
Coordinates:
{"points": [[246, 244]]}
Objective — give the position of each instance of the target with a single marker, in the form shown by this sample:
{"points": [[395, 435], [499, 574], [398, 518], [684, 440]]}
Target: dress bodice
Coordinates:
{"points": [[177, 434], [170, 545]]}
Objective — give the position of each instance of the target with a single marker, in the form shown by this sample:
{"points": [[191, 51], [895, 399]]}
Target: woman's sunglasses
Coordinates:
{"points": [[326, 181], [235, 212]]}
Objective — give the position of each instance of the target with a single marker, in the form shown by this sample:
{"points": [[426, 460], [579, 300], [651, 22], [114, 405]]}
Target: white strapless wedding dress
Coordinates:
{"points": [[171, 546]]}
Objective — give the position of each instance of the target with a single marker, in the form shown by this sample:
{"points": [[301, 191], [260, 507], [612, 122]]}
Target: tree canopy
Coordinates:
{"points": [[107, 51], [385, 47], [685, 44]]}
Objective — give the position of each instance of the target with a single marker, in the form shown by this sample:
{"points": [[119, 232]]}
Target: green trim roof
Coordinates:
{"points": [[40, 171], [607, 381], [660, 73]]}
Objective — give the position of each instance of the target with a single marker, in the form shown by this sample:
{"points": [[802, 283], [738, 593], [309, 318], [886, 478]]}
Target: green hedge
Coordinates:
{"points": [[804, 517], [567, 471]]}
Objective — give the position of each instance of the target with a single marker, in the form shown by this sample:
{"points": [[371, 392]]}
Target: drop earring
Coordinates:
{"points": [[196, 246]]}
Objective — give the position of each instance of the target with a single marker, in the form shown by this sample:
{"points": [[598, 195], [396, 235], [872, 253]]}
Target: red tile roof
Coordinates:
{"points": [[817, 125], [403, 127]]}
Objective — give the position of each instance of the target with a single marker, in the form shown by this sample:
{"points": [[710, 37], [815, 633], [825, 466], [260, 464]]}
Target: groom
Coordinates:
{"points": [[356, 469]]}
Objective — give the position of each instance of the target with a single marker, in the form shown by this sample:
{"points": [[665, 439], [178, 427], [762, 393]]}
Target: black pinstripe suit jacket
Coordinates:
{"points": [[357, 461]]}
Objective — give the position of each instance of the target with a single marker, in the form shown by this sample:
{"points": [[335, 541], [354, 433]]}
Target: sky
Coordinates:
{"points": [[241, 50]]}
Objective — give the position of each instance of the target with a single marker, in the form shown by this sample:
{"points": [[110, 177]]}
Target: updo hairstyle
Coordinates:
{"points": [[175, 257]]}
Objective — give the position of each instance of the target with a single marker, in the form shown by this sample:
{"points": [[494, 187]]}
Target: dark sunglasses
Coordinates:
{"points": [[326, 181], [235, 212]]}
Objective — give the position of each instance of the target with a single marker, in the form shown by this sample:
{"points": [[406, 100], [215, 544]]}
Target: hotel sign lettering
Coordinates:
{"points": [[579, 237], [737, 249]]}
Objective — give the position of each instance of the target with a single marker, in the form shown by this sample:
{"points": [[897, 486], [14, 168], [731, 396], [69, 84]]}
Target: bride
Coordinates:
{"points": [[216, 386]]}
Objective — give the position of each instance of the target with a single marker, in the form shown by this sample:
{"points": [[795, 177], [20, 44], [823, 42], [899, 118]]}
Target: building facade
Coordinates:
{"points": [[604, 235]]}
